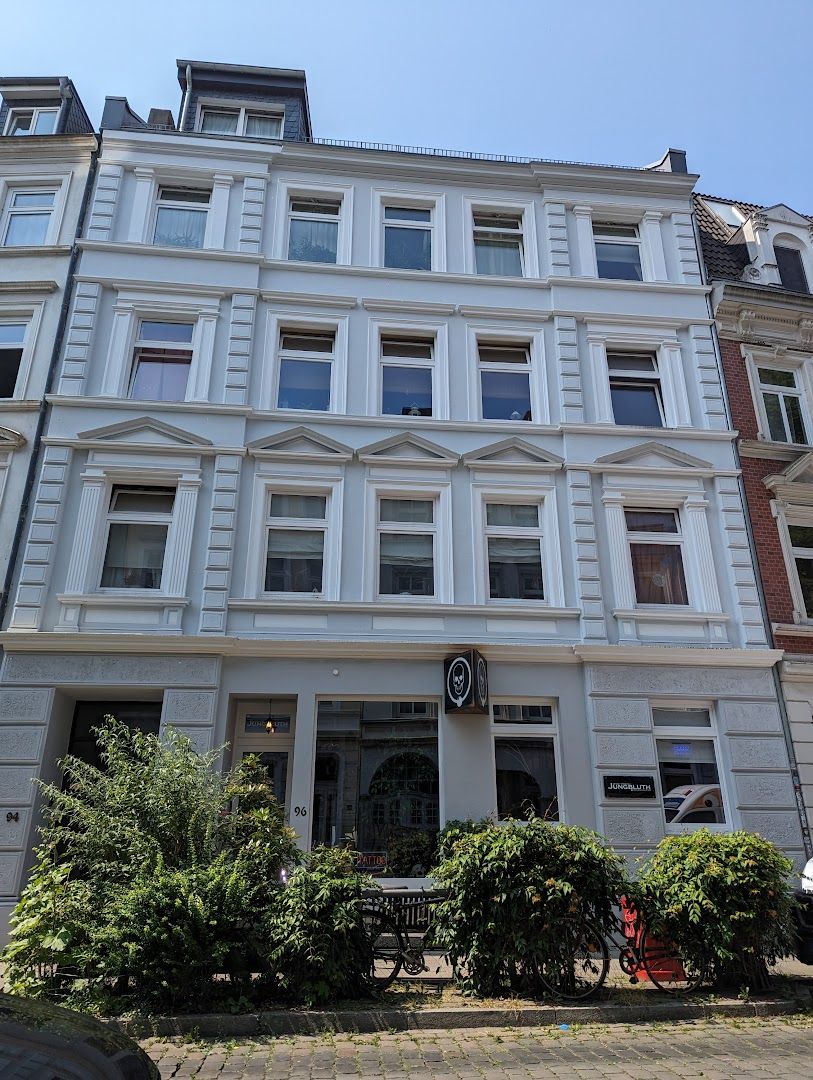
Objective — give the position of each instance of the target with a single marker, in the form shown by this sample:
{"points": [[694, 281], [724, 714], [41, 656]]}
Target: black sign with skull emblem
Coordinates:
{"points": [[466, 682]]}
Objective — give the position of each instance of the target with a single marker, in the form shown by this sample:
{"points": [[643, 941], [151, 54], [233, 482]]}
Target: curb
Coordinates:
{"points": [[368, 1021]]}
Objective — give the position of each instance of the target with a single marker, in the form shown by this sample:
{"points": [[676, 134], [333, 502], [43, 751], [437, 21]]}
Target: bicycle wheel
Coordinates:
{"points": [[386, 948], [667, 968], [575, 966]]}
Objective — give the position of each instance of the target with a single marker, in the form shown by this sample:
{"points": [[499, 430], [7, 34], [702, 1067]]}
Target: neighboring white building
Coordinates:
{"points": [[329, 414]]}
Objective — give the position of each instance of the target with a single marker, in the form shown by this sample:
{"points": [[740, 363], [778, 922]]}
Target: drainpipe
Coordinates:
{"points": [[186, 95], [49, 379], [780, 697]]}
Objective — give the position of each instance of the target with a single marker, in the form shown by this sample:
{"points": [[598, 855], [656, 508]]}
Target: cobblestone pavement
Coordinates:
{"points": [[777, 1049]]}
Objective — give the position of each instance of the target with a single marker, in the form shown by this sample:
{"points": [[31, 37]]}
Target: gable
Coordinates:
{"points": [[654, 455], [407, 447], [514, 453], [300, 444], [10, 439], [786, 215], [145, 431]]}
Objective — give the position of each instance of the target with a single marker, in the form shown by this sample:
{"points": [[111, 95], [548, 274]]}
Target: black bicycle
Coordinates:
{"points": [[398, 928], [574, 966]]}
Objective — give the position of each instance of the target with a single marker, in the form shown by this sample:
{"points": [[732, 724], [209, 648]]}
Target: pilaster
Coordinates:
{"points": [[78, 337], [141, 204], [105, 198], [588, 267], [588, 574], [179, 540], [241, 330], [220, 547], [556, 235], [740, 562], [686, 249], [251, 214], [695, 509], [653, 245], [218, 211], [571, 399]]}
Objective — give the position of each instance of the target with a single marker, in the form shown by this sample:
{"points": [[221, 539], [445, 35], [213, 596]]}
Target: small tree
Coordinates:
{"points": [[724, 898]]}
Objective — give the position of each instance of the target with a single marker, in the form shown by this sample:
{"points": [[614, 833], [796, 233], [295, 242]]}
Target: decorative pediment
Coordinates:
{"points": [[10, 439], [654, 455], [795, 483], [145, 431], [300, 444], [513, 453], [786, 215], [407, 448]]}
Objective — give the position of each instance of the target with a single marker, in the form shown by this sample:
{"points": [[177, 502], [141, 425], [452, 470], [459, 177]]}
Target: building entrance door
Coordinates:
{"points": [[265, 728]]}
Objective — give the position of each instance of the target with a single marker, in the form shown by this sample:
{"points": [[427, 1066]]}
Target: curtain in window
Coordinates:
{"points": [[295, 560], [135, 556], [217, 123], [264, 127], [498, 257], [27, 230], [658, 573], [313, 241], [180, 228]]}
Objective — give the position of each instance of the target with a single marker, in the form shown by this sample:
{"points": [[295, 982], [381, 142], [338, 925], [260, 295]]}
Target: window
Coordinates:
{"points": [[514, 544], [505, 380], [138, 525], [408, 237], [791, 269], [313, 229], [406, 544], [161, 361], [32, 121], [376, 783], [296, 543], [180, 218], [305, 369], [656, 550], [28, 217], [635, 389], [618, 252], [406, 376], [782, 401], [687, 763], [498, 243], [249, 122], [801, 538], [525, 761], [12, 338]]}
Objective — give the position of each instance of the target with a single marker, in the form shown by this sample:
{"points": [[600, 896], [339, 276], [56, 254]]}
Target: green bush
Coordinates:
{"points": [[508, 886], [149, 874], [316, 941], [724, 897]]}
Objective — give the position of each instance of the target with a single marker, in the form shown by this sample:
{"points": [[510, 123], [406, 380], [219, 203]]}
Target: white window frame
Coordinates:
{"points": [[56, 184], [415, 328], [533, 340], [171, 204], [441, 529], [543, 495], [289, 188], [242, 108], [293, 483], [676, 539], [533, 733], [690, 505], [31, 315], [529, 254], [669, 361], [140, 345], [418, 200], [112, 517], [641, 377], [786, 517], [636, 242], [802, 369], [695, 734], [36, 110], [301, 322], [132, 308]]}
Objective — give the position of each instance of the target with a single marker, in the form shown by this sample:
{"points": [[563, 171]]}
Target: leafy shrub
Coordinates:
{"points": [[149, 872], [317, 944], [411, 852], [724, 897], [508, 887]]}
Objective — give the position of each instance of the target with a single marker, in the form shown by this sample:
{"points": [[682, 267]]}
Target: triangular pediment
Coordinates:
{"points": [[800, 472], [786, 214], [300, 444], [407, 447], [654, 455], [513, 453], [144, 431], [10, 439]]}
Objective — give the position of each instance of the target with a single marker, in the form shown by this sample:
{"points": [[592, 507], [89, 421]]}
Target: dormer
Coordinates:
{"points": [[249, 102], [41, 106]]}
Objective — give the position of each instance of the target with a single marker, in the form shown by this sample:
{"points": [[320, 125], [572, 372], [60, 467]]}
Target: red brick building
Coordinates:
{"points": [[760, 263]]}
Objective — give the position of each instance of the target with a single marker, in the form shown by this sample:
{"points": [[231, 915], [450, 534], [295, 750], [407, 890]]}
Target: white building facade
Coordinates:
{"points": [[328, 415]]}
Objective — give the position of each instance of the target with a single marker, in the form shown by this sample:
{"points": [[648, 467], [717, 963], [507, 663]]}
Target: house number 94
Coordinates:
{"points": [[300, 811]]}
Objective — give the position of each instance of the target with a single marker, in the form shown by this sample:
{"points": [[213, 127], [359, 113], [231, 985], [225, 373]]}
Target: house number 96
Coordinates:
{"points": [[300, 811], [13, 815]]}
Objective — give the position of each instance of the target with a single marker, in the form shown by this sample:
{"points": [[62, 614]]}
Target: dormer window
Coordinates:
{"points": [[791, 269], [253, 123], [31, 121]]}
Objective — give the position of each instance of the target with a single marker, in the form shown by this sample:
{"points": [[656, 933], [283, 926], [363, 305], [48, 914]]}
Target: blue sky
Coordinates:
{"points": [[610, 81]]}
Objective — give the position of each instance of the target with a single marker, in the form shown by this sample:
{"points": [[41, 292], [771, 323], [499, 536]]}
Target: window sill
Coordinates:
{"points": [[139, 597], [36, 250], [692, 826], [802, 629], [136, 248], [19, 405], [400, 605], [671, 614]]}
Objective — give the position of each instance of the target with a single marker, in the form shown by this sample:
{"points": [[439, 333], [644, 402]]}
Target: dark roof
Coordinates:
{"points": [[722, 259]]}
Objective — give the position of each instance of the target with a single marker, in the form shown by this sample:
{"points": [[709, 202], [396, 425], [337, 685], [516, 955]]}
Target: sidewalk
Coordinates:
{"points": [[777, 1049]]}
